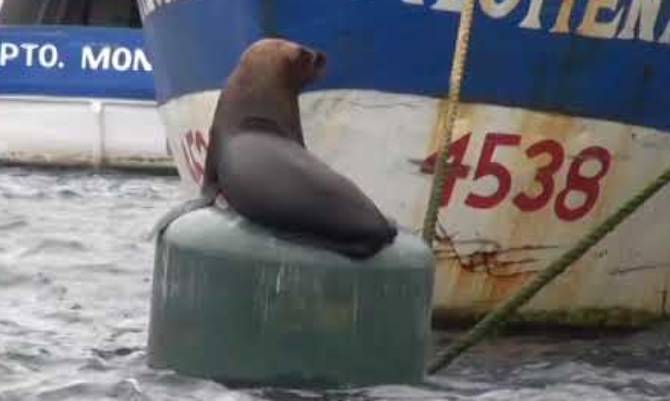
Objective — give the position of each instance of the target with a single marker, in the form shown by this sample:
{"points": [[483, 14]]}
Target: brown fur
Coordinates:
{"points": [[257, 158], [263, 90]]}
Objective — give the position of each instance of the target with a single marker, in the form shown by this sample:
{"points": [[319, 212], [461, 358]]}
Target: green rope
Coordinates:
{"points": [[449, 118], [501, 313]]}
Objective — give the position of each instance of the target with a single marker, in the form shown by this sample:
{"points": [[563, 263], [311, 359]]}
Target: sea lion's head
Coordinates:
{"points": [[281, 62], [262, 92]]}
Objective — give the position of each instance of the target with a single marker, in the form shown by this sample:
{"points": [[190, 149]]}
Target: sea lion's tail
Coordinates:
{"points": [[178, 211]]}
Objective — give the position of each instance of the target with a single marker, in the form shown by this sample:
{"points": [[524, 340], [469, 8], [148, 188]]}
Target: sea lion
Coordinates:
{"points": [[257, 159]]}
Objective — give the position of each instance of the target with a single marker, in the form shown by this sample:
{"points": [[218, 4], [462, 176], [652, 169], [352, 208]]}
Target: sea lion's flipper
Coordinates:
{"points": [[353, 249], [178, 211]]}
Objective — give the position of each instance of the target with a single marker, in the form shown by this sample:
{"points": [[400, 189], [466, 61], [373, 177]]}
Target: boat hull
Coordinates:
{"points": [[78, 96], [538, 160]]}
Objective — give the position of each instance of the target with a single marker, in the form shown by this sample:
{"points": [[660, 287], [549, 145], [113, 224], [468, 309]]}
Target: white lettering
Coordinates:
{"points": [[532, 19], [642, 15], [145, 8], [89, 60], [608, 19], [562, 24], [592, 27], [498, 8], [454, 6], [440, 5], [119, 59], [8, 51], [48, 56], [149, 6], [30, 52], [141, 62], [665, 37], [122, 59]]}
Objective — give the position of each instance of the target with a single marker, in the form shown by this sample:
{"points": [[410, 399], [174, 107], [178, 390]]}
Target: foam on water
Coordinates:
{"points": [[74, 301]]}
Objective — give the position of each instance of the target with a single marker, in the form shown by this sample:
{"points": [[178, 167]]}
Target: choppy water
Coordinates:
{"points": [[74, 303]]}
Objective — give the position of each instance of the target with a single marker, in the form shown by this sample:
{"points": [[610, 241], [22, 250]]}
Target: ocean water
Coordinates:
{"points": [[75, 278]]}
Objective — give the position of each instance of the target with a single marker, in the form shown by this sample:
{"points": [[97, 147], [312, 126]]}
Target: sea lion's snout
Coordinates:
{"points": [[319, 62], [313, 64]]}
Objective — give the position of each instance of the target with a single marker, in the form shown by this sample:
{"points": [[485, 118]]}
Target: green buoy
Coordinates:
{"points": [[235, 304]]}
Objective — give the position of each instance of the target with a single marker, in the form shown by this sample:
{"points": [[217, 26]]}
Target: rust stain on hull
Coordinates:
{"points": [[485, 255]]}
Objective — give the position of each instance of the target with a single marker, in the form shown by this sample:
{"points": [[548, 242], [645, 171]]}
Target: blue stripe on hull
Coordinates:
{"points": [[627, 81], [75, 61], [395, 47], [196, 44]]}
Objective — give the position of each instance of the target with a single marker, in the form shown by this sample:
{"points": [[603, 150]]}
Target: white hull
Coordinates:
{"points": [[81, 131], [490, 250]]}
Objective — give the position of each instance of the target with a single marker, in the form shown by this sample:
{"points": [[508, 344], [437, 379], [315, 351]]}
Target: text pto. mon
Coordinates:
{"points": [[30, 54]]}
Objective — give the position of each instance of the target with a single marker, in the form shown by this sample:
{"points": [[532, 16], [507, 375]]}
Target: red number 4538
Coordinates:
{"points": [[576, 181]]}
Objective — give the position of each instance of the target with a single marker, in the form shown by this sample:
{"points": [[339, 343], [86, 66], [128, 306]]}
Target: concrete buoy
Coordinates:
{"points": [[233, 303]]}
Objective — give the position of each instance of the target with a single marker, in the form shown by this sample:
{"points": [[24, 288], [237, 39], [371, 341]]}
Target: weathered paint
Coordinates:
{"points": [[544, 96], [233, 303], [385, 152], [486, 255]]}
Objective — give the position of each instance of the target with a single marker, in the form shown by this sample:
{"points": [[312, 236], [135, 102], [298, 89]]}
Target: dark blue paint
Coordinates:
{"points": [[618, 80], [196, 44], [394, 47], [17, 78]]}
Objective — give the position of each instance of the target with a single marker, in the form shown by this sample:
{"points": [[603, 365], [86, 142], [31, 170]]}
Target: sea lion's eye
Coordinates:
{"points": [[304, 57], [319, 60]]}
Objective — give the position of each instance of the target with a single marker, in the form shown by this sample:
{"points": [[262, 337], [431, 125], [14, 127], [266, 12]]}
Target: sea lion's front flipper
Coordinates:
{"points": [[177, 211]]}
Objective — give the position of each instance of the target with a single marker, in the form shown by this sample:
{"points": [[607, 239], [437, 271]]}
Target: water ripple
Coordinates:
{"points": [[74, 304]]}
